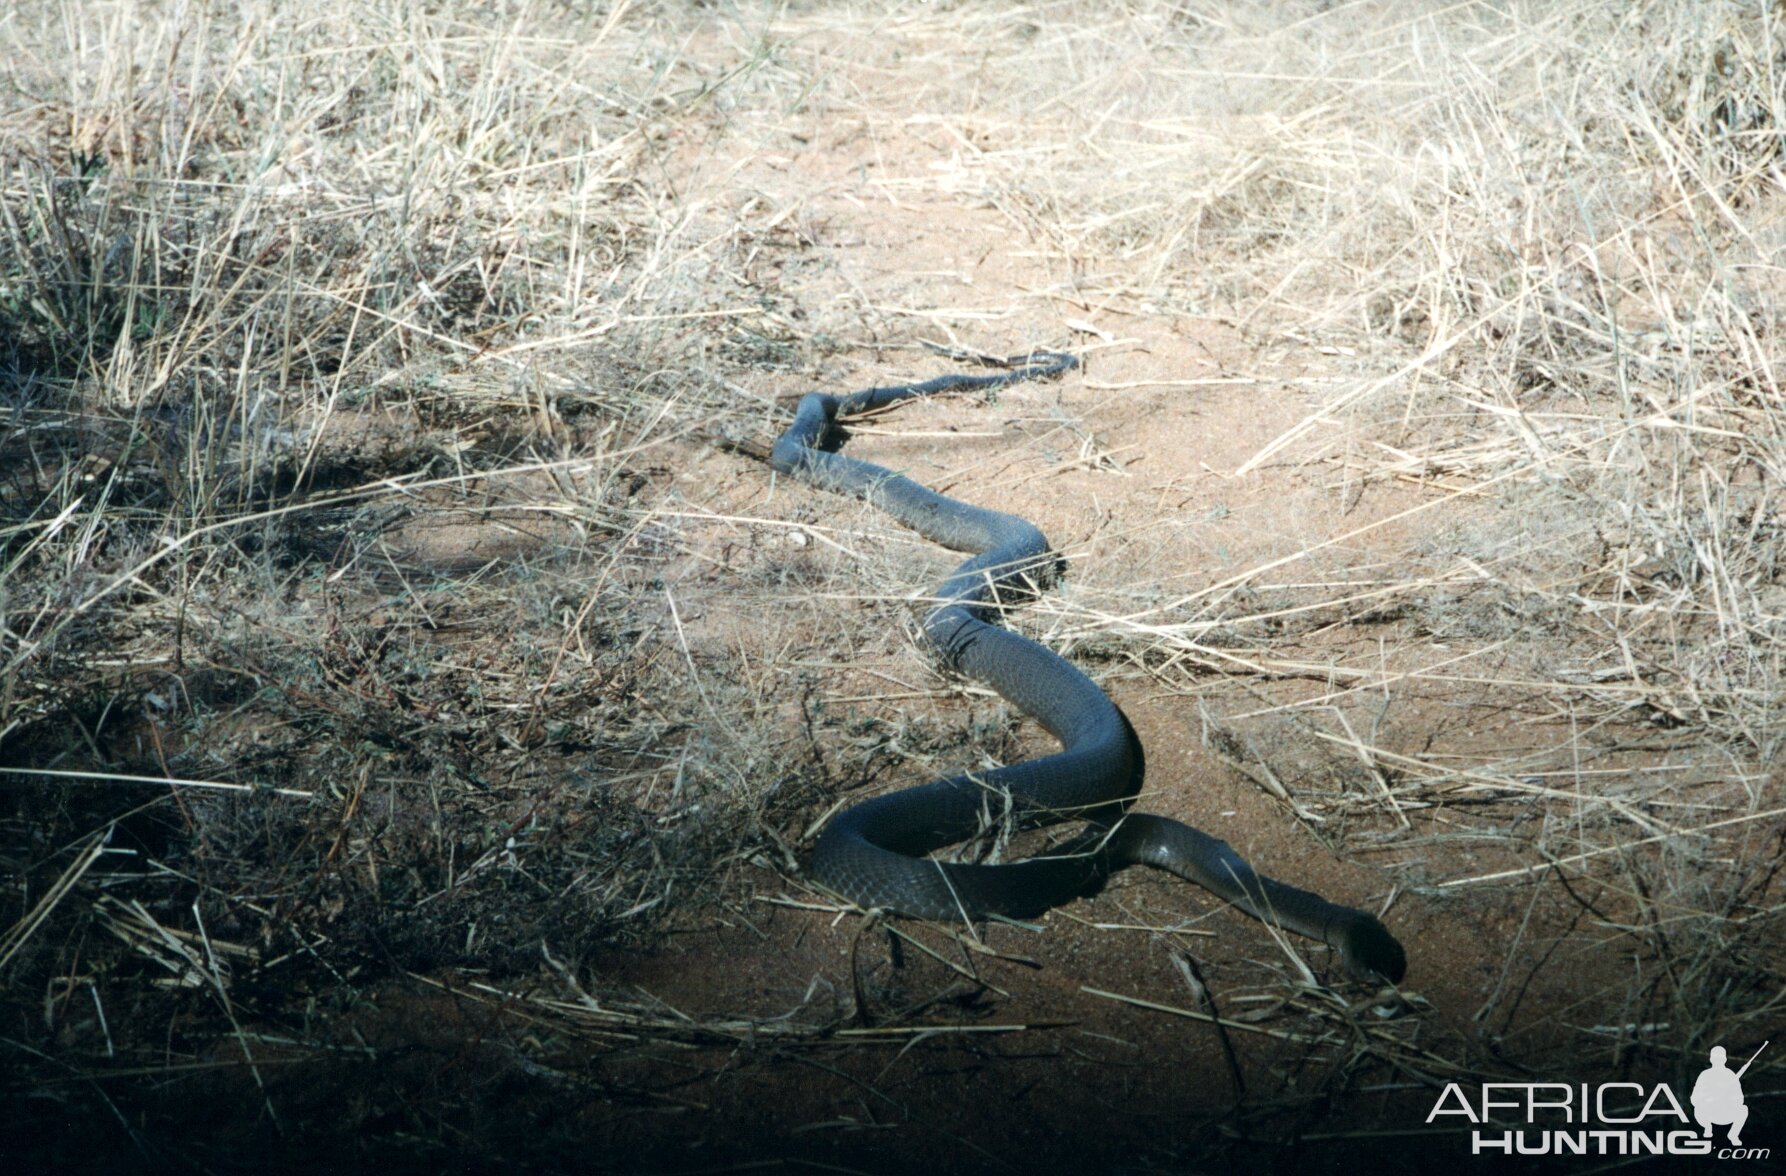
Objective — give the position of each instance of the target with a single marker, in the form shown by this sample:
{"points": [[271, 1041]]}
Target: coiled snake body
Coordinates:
{"points": [[874, 853]]}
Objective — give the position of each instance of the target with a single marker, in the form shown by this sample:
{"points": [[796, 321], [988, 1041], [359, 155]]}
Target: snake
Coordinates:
{"points": [[876, 853]]}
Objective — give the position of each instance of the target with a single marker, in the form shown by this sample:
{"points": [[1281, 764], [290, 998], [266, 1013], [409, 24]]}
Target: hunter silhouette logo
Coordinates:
{"points": [[1718, 1095]]}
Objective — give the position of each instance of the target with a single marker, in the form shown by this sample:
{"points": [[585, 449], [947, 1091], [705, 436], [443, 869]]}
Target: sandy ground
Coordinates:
{"points": [[1130, 467], [1196, 491]]}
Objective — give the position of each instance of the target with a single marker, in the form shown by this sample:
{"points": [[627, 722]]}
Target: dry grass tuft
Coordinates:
{"points": [[340, 347]]}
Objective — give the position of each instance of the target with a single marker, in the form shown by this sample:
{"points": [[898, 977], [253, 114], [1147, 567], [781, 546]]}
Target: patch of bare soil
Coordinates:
{"points": [[1147, 1026]]}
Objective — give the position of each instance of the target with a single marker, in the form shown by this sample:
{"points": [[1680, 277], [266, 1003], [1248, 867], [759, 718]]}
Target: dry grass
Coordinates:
{"points": [[349, 354], [1548, 238]]}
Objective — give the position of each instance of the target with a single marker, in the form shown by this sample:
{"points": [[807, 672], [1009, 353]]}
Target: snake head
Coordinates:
{"points": [[1370, 952]]}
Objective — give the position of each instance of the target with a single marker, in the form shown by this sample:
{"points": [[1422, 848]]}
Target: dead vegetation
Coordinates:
{"points": [[383, 669]]}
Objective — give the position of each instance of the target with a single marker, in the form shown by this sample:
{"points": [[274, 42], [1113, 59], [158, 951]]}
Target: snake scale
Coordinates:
{"points": [[874, 853]]}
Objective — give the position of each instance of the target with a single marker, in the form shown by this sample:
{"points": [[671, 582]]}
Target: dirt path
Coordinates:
{"points": [[1130, 467]]}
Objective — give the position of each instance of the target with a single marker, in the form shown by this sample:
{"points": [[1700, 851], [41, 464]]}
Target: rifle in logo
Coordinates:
{"points": [[1751, 1060]]}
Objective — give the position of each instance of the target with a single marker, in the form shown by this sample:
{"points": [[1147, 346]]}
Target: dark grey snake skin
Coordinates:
{"points": [[874, 853]]}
